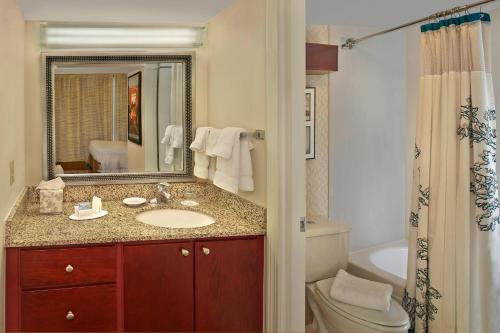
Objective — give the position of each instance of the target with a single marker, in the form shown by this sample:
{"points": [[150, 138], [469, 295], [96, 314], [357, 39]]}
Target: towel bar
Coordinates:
{"points": [[258, 134]]}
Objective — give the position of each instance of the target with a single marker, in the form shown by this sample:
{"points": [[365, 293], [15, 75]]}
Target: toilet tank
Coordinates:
{"points": [[327, 248]]}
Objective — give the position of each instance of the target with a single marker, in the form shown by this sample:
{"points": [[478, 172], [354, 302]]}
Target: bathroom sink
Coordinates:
{"points": [[175, 218]]}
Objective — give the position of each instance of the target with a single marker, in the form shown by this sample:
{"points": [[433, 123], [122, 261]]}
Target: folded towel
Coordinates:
{"points": [[368, 294], [177, 138], [173, 138], [233, 172], [226, 142], [213, 137], [169, 150], [212, 167], [54, 184], [201, 159], [168, 134], [200, 139]]}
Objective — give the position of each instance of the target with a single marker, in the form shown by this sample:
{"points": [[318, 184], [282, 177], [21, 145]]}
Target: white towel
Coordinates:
{"points": [[168, 134], [226, 142], [169, 150], [213, 137], [173, 138], [211, 168], [201, 159], [177, 138], [368, 294], [234, 166]]}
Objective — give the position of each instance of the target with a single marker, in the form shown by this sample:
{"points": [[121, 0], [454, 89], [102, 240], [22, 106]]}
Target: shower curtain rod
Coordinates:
{"points": [[351, 42]]}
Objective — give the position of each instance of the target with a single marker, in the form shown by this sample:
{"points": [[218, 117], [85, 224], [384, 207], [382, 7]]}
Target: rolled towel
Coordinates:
{"points": [[356, 291]]}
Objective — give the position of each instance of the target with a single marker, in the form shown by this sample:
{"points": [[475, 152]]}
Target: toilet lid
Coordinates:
{"points": [[396, 316]]}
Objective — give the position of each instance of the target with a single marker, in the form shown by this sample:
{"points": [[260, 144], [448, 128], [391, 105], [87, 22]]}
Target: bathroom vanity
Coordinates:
{"points": [[150, 268], [118, 274]]}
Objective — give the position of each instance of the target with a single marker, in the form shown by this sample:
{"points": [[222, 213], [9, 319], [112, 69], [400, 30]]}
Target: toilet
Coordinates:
{"points": [[327, 246]]}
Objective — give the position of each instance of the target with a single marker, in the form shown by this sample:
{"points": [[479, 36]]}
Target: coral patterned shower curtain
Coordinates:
{"points": [[453, 266]]}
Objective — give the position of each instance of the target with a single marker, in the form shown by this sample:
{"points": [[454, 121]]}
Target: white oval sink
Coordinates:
{"points": [[175, 218]]}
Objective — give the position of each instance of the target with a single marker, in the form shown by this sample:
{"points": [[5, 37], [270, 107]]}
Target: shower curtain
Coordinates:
{"points": [[453, 280]]}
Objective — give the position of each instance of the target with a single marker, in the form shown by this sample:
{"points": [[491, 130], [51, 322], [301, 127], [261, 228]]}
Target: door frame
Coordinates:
{"points": [[286, 172]]}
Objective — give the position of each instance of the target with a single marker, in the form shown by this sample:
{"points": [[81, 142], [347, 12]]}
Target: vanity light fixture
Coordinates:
{"points": [[65, 36]]}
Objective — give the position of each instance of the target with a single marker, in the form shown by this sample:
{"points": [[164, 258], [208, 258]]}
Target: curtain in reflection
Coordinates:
{"points": [[177, 104], [121, 107], [84, 112]]}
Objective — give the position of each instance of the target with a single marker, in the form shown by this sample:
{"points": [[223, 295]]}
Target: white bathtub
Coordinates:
{"points": [[384, 263]]}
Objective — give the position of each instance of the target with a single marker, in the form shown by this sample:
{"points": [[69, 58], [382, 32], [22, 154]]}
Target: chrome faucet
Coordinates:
{"points": [[163, 195]]}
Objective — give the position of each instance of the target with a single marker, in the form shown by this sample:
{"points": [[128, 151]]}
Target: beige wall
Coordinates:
{"points": [[229, 84], [33, 104], [12, 116], [236, 85], [318, 168]]}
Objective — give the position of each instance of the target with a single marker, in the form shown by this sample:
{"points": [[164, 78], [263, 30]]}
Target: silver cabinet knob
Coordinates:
{"points": [[69, 269], [205, 250], [70, 315], [185, 252]]}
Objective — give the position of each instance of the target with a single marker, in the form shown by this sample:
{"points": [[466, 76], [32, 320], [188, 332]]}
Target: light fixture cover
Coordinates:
{"points": [[67, 36]]}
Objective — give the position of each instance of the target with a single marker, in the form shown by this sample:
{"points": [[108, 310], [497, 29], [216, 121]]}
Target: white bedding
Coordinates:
{"points": [[112, 155]]}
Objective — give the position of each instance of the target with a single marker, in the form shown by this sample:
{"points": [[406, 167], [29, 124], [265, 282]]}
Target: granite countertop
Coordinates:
{"points": [[28, 228]]}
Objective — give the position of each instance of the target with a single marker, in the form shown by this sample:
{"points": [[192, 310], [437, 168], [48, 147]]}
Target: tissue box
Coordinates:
{"points": [[51, 201]]}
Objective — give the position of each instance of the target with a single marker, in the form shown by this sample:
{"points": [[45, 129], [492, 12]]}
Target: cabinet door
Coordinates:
{"points": [[229, 285], [80, 309], [158, 287], [49, 268]]}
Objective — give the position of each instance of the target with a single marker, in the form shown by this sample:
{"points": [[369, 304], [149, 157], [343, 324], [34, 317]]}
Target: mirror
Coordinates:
{"points": [[118, 117]]}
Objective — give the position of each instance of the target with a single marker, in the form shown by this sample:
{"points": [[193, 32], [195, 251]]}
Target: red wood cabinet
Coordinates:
{"points": [[214, 285], [158, 287], [83, 309], [228, 286], [321, 58], [67, 267]]}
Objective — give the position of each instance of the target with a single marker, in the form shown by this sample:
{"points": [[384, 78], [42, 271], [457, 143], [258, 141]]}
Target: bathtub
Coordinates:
{"points": [[384, 263]]}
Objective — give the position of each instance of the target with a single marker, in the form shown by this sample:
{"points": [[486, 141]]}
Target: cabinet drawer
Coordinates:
{"points": [[80, 309], [67, 267]]}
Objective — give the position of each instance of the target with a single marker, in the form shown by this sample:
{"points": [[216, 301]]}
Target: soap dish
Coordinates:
{"points": [[97, 215], [134, 201]]}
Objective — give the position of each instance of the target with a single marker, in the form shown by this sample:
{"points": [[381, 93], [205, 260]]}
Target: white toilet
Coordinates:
{"points": [[327, 247]]}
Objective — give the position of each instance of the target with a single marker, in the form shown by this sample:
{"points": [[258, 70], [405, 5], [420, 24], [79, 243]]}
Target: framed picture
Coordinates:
{"points": [[134, 109], [310, 122]]}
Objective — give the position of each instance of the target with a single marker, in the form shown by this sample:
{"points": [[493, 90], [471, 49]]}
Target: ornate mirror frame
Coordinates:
{"points": [[48, 63]]}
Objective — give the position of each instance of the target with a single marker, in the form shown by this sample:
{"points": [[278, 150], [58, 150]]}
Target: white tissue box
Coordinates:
{"points": [[51, 201]]}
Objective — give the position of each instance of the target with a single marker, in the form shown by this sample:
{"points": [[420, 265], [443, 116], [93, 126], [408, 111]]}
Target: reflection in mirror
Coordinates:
{"points": [[119, 117]]}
